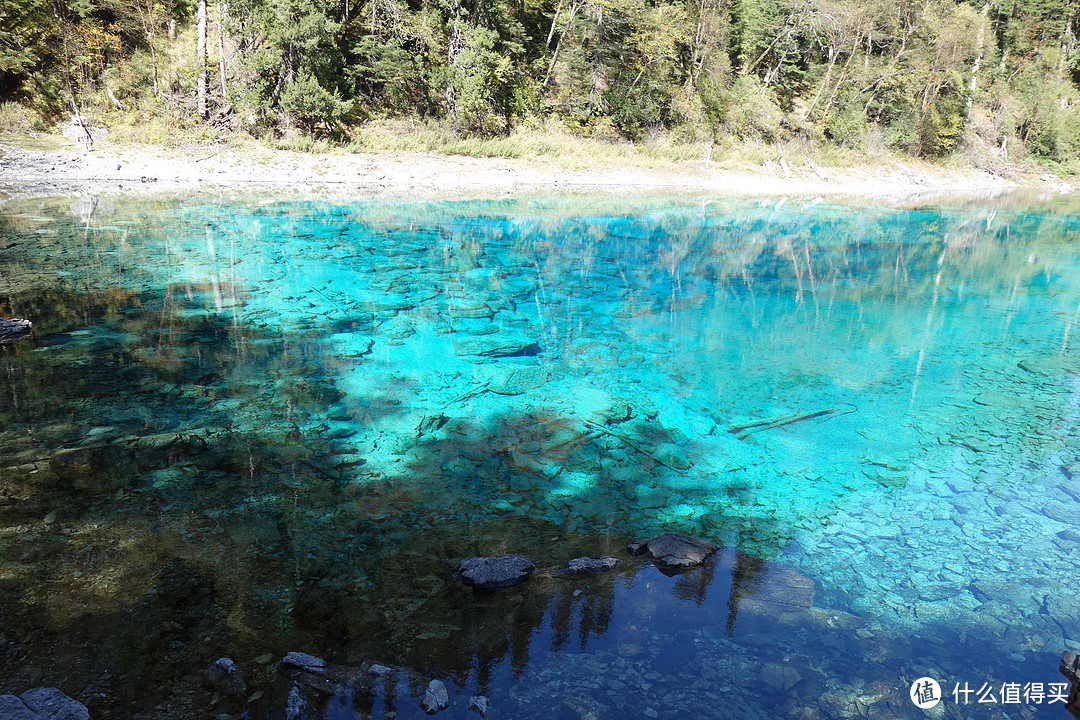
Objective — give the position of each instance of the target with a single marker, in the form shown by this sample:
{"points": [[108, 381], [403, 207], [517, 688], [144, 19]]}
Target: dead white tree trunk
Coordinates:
{"points": [[200, 59], [221, 10]]}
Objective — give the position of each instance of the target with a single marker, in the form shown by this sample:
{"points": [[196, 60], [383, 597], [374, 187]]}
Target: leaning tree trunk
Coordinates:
{"points": [[221, 51], [200, 59]]}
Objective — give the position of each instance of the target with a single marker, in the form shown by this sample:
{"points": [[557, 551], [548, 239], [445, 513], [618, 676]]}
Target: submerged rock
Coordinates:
{"points": [[305, 662], [295, 705], [12, 330], [492, 346], [492, 573], [479, 705], [314, 673], [436, 697], [672, 456], [585, 565], [227, 677], [672, 552]]}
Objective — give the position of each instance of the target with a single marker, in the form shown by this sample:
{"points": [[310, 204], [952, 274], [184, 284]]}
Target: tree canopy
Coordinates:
{"points": [[918, 76]]}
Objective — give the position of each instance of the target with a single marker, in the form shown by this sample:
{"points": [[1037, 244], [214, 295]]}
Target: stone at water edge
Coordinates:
{"points": [[12, 330], [436, 697], [673, 552], [585, 565], [493, 573], [1070, 668], [227, 677]]}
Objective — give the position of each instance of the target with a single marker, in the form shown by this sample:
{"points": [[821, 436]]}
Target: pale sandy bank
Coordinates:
{"points": [[110, 168]]}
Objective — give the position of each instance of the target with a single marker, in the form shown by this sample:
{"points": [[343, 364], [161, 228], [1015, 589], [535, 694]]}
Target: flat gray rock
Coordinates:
{"points": [[585, 565], [672, 552], [492, 573]]}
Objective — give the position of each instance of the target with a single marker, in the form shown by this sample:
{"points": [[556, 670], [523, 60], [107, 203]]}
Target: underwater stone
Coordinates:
{"points": [[227, 677], [583, 565], [1061, 512], [1069, 536], [471, 312], [303, 661], [295, 705], [674, 552], [492, 573], [12, 330], [673, 457], [493, 347], [436, 697], [51, 704], [779, 677], [479, 705]]}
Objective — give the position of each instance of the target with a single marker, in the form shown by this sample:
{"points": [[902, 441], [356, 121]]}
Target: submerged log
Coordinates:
{"points": [[744, 431], [12, 330]]}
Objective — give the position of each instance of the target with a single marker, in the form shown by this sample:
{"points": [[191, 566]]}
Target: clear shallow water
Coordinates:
{"points": [[247, 427]]}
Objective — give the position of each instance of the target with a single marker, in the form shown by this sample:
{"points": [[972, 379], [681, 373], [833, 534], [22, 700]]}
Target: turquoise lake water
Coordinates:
{"points": [[253, 425]]}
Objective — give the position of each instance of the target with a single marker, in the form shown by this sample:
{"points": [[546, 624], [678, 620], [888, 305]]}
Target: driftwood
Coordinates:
{"points": [[12, 330], [596, 427], [744, 431]]}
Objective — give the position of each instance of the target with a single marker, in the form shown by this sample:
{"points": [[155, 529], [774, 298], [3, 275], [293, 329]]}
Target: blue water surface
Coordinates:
{"points": [[250, 425]]}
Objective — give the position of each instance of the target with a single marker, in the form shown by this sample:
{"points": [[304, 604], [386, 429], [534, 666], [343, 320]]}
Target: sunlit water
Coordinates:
{"points": [[244, 427]]}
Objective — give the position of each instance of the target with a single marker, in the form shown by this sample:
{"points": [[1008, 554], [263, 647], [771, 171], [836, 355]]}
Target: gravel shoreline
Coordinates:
{"points": [[114, 169]]}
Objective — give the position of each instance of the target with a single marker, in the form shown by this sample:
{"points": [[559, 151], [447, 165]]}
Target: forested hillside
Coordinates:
{"points": [[923, 77]]}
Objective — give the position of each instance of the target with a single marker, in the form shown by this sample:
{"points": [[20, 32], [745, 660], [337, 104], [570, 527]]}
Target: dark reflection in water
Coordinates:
{"points": [[242, 430]]}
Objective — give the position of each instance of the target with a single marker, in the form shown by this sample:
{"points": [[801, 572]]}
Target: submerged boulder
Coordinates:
{"points": [[12, 330], [672, 552], [479, 705], [497, 346], [305, 662], [227, 677], [492, 573], [585, 565]]}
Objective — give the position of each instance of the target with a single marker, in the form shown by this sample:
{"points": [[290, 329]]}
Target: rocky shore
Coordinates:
{"points": [[112, 168]]}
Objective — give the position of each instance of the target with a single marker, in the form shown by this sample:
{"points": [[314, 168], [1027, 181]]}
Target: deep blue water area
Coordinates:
{"points": [[250, 425]]}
